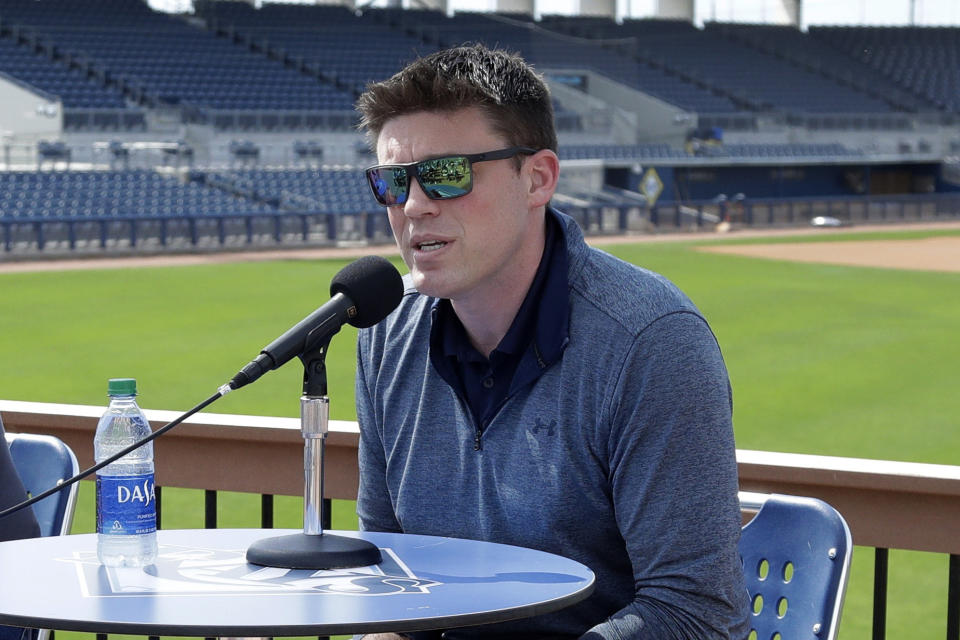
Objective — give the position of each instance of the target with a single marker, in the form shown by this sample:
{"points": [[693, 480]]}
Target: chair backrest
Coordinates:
{"points": [[796, 558], [42, 461]]}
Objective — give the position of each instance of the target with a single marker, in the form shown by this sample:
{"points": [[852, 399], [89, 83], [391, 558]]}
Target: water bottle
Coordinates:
{"points": [[126, 511]]}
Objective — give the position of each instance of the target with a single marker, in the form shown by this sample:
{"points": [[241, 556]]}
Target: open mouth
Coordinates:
{"points": [[431, 245]]}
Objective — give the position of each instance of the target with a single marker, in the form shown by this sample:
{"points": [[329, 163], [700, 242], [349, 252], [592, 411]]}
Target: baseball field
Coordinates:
{"points": [[838, 343]]}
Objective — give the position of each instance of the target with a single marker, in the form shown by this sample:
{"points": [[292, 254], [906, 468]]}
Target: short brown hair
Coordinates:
{"points": [[514, 97]]}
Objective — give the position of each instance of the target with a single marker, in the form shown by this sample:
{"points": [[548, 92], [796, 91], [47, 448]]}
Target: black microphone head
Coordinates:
{"points": [[373, 285]]}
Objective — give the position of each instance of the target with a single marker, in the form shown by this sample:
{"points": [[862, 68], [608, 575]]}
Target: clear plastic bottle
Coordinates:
{"points": [[126, 511]]}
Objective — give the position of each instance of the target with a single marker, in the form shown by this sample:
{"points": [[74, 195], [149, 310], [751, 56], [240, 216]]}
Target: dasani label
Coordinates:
{"points": [[125, 505]]}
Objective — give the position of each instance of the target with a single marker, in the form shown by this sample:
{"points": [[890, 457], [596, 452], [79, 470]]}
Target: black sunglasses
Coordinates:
{"points": [[440, 178]]}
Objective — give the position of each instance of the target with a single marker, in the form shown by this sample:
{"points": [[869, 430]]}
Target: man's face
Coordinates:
{"points": [[470, 247]]}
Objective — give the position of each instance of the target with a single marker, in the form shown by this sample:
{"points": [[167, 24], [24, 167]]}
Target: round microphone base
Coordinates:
{"points": [[303, 551]]}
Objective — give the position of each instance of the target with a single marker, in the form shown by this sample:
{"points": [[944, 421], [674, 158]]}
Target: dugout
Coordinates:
{"points": [[683, 183]]}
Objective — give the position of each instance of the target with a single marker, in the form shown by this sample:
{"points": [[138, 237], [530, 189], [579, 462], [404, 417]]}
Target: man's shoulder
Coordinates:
{"points": [[610, 288], [627, 294]]}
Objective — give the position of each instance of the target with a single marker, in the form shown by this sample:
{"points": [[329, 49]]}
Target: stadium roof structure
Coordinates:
{"points": [[801, 13]]}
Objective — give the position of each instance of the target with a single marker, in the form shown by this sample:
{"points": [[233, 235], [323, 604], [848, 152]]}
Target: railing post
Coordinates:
{"points": [[881, 556], [209, 509], [953, 599], [157, 502], [266, 511]]}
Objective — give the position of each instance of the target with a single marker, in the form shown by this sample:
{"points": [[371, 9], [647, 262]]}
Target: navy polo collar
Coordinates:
{"points": [[535, 339]]}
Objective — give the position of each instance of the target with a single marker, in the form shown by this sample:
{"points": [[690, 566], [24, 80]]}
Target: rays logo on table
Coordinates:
{"points": [[181, 571]]}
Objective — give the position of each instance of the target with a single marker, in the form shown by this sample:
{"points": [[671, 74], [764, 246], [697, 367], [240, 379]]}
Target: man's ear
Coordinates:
{"points": [[543, 168]]}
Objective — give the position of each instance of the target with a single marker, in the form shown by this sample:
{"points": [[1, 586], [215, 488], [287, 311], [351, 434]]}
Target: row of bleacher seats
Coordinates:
{"points": [[646, 152], [620, 152], [145, 193], [292, 57], [347, 48], [325, 191], [75, 88], [791, 150], [113, 194]]}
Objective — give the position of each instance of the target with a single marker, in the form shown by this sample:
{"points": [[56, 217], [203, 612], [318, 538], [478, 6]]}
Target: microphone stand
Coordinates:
{"points": [[313, 549]]}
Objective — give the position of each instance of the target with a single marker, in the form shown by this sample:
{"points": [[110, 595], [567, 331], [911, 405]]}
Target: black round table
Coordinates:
{"points": [[202, 585]]}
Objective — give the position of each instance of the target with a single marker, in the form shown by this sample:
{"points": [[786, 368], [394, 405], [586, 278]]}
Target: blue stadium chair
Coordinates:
{"points": [[42, 461], [796, 556]]}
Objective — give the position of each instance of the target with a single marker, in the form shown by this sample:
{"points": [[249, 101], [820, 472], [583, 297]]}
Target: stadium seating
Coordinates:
{"points": [[768, 82], [344, 48], [551, 49], [647, 152], [924, 61], [168, 61], [318, 57], [112, 194], [74, 87], [819, 57], [260, 69], [339, 191]]}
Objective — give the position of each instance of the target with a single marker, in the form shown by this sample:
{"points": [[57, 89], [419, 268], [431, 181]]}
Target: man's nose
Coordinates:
{"points": [[418, 204]]}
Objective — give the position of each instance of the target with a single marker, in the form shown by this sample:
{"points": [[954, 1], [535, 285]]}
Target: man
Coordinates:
{"points": [[531, 390]]}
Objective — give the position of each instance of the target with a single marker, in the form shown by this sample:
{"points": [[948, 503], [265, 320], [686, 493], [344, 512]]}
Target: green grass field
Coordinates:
{"points": [[823, 359]]}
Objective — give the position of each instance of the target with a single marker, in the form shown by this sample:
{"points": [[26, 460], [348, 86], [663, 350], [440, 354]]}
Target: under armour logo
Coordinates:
{"points": [[540, 425]]}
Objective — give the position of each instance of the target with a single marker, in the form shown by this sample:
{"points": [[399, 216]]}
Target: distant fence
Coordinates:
{"points": [[758, 213], [797, 211], [208, 232], [886, 122]]}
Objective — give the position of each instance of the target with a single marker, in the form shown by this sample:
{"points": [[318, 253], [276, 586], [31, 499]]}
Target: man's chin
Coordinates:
{"points": [[428, 286]]}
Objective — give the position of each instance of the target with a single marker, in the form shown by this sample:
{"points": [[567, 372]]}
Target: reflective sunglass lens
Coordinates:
{"points": [[445, 177], [389, 185]]}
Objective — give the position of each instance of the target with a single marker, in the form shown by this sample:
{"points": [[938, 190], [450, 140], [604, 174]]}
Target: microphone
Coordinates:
{"points": [[363, 293]]}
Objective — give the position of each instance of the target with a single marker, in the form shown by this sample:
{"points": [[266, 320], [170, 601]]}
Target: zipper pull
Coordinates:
{"points": [[477, 445]]}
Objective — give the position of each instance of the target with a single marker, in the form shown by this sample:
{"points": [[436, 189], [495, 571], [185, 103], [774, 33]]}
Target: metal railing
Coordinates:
{"points": [[785, 212], [840, 121], [231, 231], [887, 504]]}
